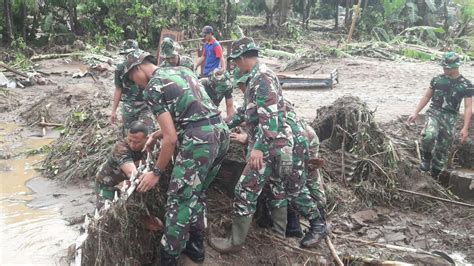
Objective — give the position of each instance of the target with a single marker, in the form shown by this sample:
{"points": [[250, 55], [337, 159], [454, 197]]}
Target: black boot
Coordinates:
{"points": [[425, 164], [195, 246], [317, 232], [167, 259], [293, 227]]}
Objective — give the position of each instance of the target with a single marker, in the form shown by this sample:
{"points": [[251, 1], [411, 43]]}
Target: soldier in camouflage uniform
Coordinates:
{"points": [[121, 163], [219, 86], [133, 105], [446, 93], [172, 57], [191, 124], [265, 123], [304, 190]]}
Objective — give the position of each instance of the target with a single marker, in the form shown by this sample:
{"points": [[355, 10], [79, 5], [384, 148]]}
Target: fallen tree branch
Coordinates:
{"points": [[54, 56], [333, 251], [351, 259], [436, 198], [13, 70], [45, 124]]}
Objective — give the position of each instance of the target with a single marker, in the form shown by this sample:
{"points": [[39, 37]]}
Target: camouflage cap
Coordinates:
{"points": [[128, 46], [168, 48], [135, 58], [241, 46], [450, 60]]}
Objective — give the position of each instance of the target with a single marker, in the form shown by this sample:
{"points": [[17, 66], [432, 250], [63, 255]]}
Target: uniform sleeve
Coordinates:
{"points": [[218, 50], [469, 89], [121, 154], [154, 97], [238, 118], [118, 76], [433, 83], [267, 110]]}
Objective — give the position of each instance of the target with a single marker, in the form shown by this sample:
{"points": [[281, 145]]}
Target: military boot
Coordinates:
{"points": [[195, 246], [425, 164], [279, 217], [167, 259], [233, 243], [317, 232], [293, 227]]}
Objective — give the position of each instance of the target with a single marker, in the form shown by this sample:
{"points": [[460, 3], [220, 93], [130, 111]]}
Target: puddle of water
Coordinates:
{"points": [[27, 235]]}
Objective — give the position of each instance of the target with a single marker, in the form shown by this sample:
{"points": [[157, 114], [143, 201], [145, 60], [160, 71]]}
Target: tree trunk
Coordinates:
{"points": [[336, 17], [23, 19], [285, 6], [8, 20], [446, 24], [73, 16], [346, 16]]}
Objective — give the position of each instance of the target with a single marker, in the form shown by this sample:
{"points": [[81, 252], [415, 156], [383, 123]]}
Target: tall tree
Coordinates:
{"points": [[7, 10]]}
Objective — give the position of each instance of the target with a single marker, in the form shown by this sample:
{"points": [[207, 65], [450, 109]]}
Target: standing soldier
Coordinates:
{"points": [[133, 105], [265, 121], [446, 92], [172, 57], [191, 124]]}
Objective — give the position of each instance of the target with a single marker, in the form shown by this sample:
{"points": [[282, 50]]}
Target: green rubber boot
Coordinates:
{"points": [[233, 243], [280, 219]]}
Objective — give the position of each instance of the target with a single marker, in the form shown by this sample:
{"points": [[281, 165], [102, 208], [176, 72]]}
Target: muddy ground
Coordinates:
{"points": [[391, 88]]}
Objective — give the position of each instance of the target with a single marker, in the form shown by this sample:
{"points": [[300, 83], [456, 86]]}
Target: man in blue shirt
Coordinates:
{"points": [[212, 57]]}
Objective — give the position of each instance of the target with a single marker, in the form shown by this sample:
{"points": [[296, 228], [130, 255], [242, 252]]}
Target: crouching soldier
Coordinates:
{"points": [[192, 125], [121, 163]]}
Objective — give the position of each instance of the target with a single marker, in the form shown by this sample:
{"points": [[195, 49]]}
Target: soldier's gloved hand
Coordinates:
{"points": [[148, 181], [463, 135], [256, 159]]}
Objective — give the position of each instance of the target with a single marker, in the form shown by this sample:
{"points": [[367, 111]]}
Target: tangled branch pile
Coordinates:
{"points": [[85, 141], [358, 151]]}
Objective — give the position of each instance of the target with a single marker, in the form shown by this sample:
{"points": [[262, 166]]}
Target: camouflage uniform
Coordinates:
{"points": [[218, 87], [265, 116], [169, 49], [295, 181], [438, 133], [203, 142], [133, 106], [110, 174]]}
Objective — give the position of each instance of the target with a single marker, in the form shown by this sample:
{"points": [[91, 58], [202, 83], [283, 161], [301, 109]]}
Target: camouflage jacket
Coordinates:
{"points": [[177, 90], [303, 133], [110, 173], [265, 114], [130, 91], [183, 61], [218, 87], [448, 93]]}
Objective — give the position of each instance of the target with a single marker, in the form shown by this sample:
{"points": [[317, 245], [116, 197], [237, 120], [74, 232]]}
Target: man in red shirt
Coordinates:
{"points": [[212, 57]]}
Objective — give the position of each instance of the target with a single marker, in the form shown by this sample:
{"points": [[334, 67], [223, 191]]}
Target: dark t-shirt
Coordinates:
{"points": [[448, 93]]}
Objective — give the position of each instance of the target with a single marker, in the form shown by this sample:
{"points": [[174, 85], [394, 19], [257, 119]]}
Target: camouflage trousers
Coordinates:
{"points": [[200, 154], [296, 186], [136, 111], [251, 183], [437, 136]]}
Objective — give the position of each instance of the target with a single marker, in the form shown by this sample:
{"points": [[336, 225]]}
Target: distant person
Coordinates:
{"points": [[446, 92], [122, 162], [133, 106], [212, 57], [172, 57]]}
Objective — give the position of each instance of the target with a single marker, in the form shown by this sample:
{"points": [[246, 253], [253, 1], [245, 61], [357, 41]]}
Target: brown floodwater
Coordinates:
{"points": [[28, 235]]}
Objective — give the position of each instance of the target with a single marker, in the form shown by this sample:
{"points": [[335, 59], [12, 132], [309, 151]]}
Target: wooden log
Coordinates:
{"points": [[436, 198], [13, 70]]}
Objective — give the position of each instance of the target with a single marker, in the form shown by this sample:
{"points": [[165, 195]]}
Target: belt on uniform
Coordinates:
{"points": [[203, 122]]}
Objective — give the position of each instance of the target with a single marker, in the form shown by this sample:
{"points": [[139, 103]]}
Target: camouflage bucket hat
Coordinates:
{"points": [[135, 58], [450, 60], [128, 46], [168, 48], [241, 46]]}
